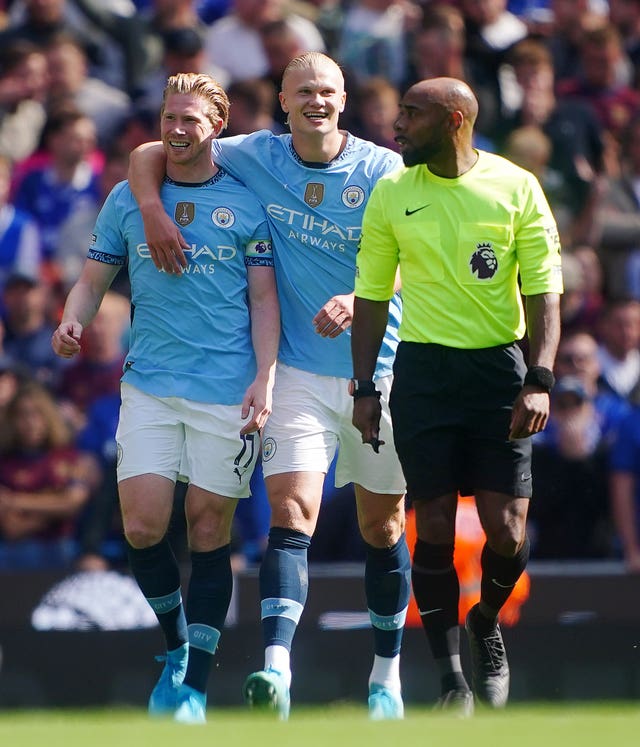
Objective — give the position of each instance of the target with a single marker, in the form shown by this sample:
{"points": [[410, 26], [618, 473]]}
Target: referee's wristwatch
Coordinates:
{"points": [[363, 388]]}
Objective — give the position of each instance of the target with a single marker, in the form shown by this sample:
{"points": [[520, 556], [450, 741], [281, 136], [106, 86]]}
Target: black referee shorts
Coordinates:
{"points": [[451, 411]]}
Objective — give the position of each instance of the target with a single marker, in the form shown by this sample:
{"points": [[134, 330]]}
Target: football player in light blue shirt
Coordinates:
{"points": [[197, 381], [313, 184]]}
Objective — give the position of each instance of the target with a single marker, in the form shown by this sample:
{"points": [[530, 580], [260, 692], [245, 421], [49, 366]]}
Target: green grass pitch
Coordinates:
{"points": [[582, 724]]}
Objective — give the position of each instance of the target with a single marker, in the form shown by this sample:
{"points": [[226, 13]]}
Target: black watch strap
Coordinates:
{"points": [[364, 388], [540, 377]]}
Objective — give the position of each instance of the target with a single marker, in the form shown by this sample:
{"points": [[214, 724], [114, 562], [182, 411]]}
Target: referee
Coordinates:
{"points": [[470, 232]]}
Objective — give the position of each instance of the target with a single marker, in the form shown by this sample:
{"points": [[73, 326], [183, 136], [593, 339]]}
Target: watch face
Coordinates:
{"points": [[352, 387]]}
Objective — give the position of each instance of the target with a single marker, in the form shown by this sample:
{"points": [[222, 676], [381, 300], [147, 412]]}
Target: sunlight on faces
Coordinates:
{"points": [[187, 129], [313, 97]]}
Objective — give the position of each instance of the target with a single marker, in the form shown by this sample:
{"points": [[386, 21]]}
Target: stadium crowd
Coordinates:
{"points": [[558, 82]]}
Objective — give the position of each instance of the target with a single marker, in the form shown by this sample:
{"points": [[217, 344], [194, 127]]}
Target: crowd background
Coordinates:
{"points": [[81, 81]]}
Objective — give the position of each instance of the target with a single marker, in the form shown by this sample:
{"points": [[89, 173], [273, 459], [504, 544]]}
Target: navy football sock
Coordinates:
{"points": [[208, 601], [284, 581], [387, 579], [158, 576]]}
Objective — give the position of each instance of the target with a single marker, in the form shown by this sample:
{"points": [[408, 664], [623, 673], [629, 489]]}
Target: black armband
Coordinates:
{"points": [[540, 377], [363, 388]]}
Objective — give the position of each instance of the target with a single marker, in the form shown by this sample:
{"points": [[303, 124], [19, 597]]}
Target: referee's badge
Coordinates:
{"points": [[314, 194], [185, 213]]}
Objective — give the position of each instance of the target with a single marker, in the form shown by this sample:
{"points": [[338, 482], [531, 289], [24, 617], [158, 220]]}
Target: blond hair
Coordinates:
{"points": [[204, 86], [309, 61]]}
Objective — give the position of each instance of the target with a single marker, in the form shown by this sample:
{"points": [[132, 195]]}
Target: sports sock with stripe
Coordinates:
{"points": [[156, 570], [208, 602]]}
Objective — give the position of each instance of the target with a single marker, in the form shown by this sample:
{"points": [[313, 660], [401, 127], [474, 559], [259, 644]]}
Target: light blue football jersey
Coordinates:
{"points": [[190, 334], [315, 216]]}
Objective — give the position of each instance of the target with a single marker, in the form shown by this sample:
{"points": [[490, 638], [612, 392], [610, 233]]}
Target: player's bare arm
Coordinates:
{"points": [[81, 306], [335, 316], [369, 324], [531, 408], [265, 335], [147, 165]]}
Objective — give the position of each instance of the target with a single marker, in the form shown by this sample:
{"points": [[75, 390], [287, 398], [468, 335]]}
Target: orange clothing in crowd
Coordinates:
{"points": [[470, 539]]}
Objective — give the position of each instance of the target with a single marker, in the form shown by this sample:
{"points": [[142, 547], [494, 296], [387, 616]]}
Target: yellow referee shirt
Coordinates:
{"points": [[461, 245]]}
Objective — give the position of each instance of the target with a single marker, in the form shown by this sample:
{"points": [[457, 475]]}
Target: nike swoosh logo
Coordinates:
{"points": [[411, 212], [428, 612], [502, 586]]}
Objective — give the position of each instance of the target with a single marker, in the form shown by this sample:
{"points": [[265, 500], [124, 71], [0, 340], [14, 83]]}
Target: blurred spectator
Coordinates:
{"points": [[38, 21], [44, 483], [28, 327], [140, 126], [374, 39], [252, 105], [20, 250], [573, 128], [376, 111], [625, 15], [234, 42], [529, 147], [491, 30], [618, 351], [69, 183], [140, 34], [98, 369], [23, 86], [569, 515], [604, 80], [75, 233], [281, 44], [593, 285], [625, 487], [570, 20], [577, 358], [438, 45], [182, 52], [11, 376], [100, 535], [70, 84], [573, 301], [438, 50], [619, 221]]}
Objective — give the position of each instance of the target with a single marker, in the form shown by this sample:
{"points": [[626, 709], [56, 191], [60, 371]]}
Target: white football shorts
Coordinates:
{"points": [[183, 440], [312, 417]]}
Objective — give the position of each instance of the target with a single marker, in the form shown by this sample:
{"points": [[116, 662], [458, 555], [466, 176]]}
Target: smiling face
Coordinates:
{"points": [[313, 97], [187, 129]]}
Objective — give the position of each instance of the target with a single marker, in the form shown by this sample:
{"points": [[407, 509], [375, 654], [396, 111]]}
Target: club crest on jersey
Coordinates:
{"points": [[353, 196], [314, 194], [223, 217], [185, 213], [483, 262]]}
